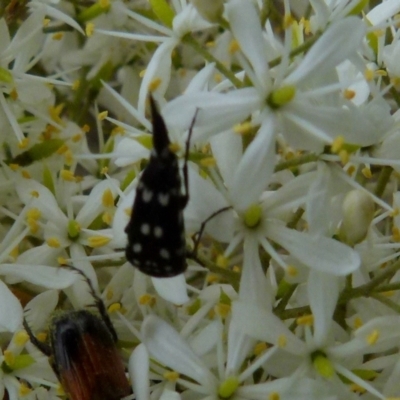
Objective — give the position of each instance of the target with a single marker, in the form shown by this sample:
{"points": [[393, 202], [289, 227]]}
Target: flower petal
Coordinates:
{"points": [[323, 293], [10, 310], [255, 167], [166, 345], [172, 289], [41, 275], [263, 325], [330, 50], [139, 372], [246, 27], [318, 252]]}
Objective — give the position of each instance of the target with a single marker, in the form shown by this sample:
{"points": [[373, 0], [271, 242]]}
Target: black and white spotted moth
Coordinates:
{"points": [[156, 232]]}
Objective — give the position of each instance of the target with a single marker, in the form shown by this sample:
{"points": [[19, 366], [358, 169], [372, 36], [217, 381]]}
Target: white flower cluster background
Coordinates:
{"points": [[293, 293]]}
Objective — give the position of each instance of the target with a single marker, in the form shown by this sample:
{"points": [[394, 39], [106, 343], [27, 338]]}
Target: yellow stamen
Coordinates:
{"points": [[305, 320], [102, 115], [98, 241], [89, 29], [373, 337], [53, 242], [171, 376], [154, 84]]}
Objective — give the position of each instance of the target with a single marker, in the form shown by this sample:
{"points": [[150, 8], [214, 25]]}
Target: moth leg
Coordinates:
{"points": [[197, 236]]}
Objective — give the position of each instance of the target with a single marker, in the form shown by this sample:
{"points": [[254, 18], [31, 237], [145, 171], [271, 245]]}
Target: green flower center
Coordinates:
{"points": [[252, 216], [322, 364], [228, 387], [281, 96], [73, 229]]}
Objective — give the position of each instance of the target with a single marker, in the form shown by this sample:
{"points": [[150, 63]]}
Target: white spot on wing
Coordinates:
{"points": [[137, 248], [158, 231], [163, 199], [164, 253], [147, 195], [145, 229]]}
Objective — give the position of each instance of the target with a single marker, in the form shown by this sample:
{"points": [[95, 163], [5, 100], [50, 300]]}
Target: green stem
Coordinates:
{"points": [[295, 218], [189, 40], [285, 299], [384, 300], [295, 162], [298, 50], [232, 277], [367, 289], [383, 179]]}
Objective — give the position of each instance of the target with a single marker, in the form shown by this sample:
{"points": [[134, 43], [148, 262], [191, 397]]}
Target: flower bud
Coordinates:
{"points": [[358, 211]]}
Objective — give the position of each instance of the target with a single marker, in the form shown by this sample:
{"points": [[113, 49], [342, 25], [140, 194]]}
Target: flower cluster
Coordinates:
{"points": [[293, 292]]}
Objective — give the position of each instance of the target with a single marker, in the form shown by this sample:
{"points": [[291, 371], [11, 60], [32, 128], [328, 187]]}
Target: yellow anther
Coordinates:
{"points": [[274, 396], [222, 310], [114, 307], [292, 271], [104, 3], [356, 388], [104, 171], [62, 149], [58, 36], [109, 294], [142, 73], [234, 46], [147, 300], [212, 278], [118, 130], [9, 357], [21, 338], [23, 143], [208, 162], [33, 225], [282, 341], [46, 22], [305, 320], [76, 84], [174, 147], [102, 115], [243, 128], [288, 20], [107, 218], [108, 198], [349, 94], [337, 144], [358, 323], [171, 376], [67, 175], [42, 336], [89, 29], [53, 242], [367, 172], [259, 348], [222, 261], [373, 337], [33, 213], [25, 174], [13, 167], [98, 241], [24, 390], [154, 84], [344, 156], [86, 128], [350, 171], [14, 94], [62, 260], [77, 137]]}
